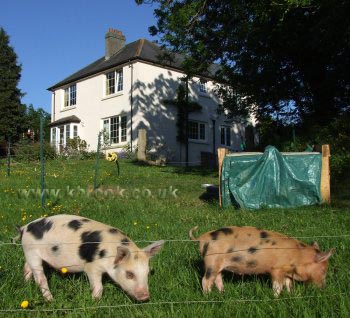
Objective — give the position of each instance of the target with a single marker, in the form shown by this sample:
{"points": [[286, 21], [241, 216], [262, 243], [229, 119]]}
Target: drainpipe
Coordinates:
{"points": [[131, 103]]}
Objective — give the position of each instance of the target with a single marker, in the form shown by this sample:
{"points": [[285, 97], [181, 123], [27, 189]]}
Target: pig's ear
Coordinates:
{"points": [[324, 256], [122, 254], [315, 245], [153, 248]]}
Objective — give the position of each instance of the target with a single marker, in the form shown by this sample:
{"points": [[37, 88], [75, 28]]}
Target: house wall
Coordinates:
{"points": [[155, 84], [151, 86]]}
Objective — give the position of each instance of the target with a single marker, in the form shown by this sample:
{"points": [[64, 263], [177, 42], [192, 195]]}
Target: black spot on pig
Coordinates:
{"points": [[273, 243], [230, 250], [205, 249], [252, 250], [225, 230], [252, 264], [55, 249], [264, 234], [102, 253], [88, 249], [125, 241], [113, 231], [208, 272], [236, 259], [38, 228], [75, 225], [85, 220]]}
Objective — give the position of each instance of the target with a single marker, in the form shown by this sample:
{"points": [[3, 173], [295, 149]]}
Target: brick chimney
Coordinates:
{"points": [[115, 40]]}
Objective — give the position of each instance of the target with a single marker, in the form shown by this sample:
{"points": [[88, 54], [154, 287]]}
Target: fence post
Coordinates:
{"points": [[97, 159], [221, 155], [141, 145], [42, 163], [9, 157], [325, 175]]}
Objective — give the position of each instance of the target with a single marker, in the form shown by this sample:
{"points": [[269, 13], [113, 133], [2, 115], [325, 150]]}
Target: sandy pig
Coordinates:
{"points": [[249, 250], [80, 244]]}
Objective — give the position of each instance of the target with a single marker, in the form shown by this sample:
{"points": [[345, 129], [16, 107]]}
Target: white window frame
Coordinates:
{"points": [[116, 125], [203, 86], [201, 128], [70, 96], [68, 132], [113, 82], [225, 136]]}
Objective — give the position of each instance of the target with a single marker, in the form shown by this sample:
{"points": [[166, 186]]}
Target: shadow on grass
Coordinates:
{"points": [[196, 170]]}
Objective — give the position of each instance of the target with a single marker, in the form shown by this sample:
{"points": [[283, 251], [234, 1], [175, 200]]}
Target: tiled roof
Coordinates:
{"points": [[65, 120], [142, 49]]}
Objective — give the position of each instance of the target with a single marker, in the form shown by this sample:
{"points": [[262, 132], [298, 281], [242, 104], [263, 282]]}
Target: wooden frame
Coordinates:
{"points": [[325, 187]]}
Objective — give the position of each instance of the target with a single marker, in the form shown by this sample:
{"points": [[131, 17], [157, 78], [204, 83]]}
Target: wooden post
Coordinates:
{"points": [[221, 155], [325, 175], [141, 145]]}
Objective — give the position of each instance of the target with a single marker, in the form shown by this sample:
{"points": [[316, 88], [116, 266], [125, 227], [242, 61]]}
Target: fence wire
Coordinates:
{"points": [[172, 303]]}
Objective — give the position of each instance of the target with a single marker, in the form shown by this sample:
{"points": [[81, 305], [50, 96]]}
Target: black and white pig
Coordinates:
{"points": [[80, 244]]}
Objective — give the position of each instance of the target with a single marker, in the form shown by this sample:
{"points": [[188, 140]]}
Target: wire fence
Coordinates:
{"points": [[172, 303]]}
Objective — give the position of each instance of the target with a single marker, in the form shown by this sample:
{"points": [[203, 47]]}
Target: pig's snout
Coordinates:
{"points": [[141, 294]]}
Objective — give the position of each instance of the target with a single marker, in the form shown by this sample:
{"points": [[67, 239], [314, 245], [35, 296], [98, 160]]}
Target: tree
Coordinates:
{"points": [[11, 110], [32, 121], [286, 59]]}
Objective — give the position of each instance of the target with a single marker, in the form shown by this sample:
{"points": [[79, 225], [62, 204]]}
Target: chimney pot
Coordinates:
{"points": [[115, 41]]}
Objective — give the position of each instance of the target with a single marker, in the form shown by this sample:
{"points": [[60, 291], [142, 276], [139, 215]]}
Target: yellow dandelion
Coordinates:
{"points": [[64, 270], [147, 227], [135, 223], [24, 304]]}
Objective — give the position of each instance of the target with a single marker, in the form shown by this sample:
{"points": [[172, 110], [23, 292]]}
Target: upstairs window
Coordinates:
{"points": [[70, 95], [114, 82], [203, 86], [225, 133], [196, 130]]}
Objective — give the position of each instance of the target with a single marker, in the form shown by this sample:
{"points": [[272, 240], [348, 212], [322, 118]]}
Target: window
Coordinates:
{"points": [[114, 82], [225, 133], [67, 133], [196, 130], [203, 86], [75, 131], [114, 129], [70, 95], [53, 136]]}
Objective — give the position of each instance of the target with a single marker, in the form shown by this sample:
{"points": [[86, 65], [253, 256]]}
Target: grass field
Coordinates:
{"points": [[164, 203]]}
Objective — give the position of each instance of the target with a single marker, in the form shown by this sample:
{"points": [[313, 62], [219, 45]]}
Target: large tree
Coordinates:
{"points": [[285, 59], [12, 112]]}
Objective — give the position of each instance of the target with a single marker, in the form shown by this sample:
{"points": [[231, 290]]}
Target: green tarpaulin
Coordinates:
{"points": [[271, 179]]}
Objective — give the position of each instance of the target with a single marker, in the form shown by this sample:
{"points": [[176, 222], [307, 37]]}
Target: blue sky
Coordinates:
{"points": [[53, 39]]}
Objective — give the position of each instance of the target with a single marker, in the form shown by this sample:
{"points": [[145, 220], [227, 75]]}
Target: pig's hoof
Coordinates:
{"points": [[48, 298]]}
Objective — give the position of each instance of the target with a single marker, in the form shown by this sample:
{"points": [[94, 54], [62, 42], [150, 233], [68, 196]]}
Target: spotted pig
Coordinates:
{"points": [[249, 250], [80, 244]]}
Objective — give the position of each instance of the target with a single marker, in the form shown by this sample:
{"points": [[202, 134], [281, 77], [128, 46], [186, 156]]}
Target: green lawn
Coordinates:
{"points": [[150, 209]]}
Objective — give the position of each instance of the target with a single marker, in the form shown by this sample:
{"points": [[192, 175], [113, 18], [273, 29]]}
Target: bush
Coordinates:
{"points": [[28, 151]]}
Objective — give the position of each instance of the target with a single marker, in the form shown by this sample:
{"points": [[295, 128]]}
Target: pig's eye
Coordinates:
{"points": [[130, 275]]}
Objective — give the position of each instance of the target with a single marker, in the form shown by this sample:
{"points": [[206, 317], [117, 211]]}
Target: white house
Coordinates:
{"points": [[125, 90]]}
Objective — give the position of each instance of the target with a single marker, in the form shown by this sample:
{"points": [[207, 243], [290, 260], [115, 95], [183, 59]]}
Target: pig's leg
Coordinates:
{"points": [[36, 264], [208, 279], [288, 283], [95, 279], [28, 274], [277, 282], [219, 283]]}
